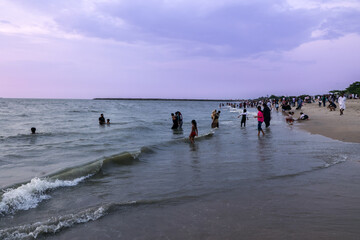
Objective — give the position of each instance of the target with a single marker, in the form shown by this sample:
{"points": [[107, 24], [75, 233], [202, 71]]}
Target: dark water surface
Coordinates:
{"points": [[137, 179]]}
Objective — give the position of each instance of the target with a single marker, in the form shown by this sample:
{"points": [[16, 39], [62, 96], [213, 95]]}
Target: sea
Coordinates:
{"points": [[139, 179]]}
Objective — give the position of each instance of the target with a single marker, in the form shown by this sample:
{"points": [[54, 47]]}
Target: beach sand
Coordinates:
{"points": [[330, 124]]}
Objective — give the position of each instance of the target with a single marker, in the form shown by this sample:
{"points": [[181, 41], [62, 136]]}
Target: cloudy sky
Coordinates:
{"points": [[177, 48]]}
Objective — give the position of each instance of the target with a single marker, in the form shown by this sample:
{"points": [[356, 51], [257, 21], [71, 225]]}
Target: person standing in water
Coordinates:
{"points": [[213, 123], [194, 131], [101, 119], [267, 115], [260, 117], [216, 119], [243, 118], [175, 121], [179, 118]]}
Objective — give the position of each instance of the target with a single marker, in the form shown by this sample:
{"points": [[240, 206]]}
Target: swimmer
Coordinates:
{"points": [[108, 121], [33, 130]]}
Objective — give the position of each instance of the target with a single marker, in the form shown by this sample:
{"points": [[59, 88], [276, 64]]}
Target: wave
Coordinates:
{"points": [[53, 225], [327, 164], [29, 195], [56, 224]]}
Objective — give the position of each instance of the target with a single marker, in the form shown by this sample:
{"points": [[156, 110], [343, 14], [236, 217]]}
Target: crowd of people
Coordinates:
{"points": [[264, 108]]}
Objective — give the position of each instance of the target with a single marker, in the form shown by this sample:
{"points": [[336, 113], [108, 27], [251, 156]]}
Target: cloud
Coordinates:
{"points": [[93, 48]]}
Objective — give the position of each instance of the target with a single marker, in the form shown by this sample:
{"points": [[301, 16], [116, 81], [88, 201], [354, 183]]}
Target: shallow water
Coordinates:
{"points": [[112, 180]]}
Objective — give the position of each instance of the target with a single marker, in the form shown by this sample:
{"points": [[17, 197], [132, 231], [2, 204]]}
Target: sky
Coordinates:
{"points": [[177, 48]]}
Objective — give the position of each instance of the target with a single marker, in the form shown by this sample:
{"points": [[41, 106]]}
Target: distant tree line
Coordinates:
{"points": [[354, 88]]}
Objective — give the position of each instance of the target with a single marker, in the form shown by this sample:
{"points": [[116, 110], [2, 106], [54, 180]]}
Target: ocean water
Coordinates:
{"points": [[138, 179]]}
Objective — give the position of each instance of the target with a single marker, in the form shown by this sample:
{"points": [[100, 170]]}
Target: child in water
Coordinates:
{"points": [[260, 118], [194, 131], [243, 118]]}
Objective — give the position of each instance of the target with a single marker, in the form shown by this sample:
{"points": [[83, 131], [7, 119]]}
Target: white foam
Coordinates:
{"points": [[52, 225], [29, 195]]}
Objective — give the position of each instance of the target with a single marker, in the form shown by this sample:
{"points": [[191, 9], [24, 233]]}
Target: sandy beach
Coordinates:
{"points": [[330, 124]]}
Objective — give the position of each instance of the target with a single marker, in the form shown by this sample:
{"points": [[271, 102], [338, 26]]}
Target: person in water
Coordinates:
{"points": [[179, 119], [243, 118], [175, 121], [194, 131], [215, 117], [101, 119], [33, 130], [108, 121], [267, 115], [213, 123], [260, 117]]}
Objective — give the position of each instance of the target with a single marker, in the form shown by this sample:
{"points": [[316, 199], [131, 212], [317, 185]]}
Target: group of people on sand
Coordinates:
{"points": [[290, 117], [332, 99]]}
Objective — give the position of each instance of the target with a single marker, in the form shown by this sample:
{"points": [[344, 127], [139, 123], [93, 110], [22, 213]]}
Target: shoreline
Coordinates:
{"points": [[345, 128]]}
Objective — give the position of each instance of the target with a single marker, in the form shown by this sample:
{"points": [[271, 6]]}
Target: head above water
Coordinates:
{"points": [[33, 130]]}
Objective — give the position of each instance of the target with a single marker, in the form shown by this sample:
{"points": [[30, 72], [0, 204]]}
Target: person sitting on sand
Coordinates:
{"points": [[303, 116], [33, 130], [101, 119], [194, 131]]}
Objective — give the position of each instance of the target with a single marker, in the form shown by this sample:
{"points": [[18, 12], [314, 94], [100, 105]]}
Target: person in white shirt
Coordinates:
{"points": [[342, 101], [243, 118]]}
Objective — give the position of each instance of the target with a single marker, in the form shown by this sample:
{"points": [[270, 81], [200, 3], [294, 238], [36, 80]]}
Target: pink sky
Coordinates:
{"points": [[177, 49]]}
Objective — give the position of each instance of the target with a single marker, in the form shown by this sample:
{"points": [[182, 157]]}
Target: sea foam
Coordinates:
{"points": [[28, 195], [52, 225]]}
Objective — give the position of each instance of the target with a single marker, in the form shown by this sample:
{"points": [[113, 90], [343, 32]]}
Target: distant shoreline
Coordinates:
{"points": [[170, 99]]}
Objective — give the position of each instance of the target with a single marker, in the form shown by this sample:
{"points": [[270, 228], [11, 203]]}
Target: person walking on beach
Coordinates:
{"points": [[267, 115], [341, 101], [194, 131], [243, 118], [300, 101], [260, 117]]}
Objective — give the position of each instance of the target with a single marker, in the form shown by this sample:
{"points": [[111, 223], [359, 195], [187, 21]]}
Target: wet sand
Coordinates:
{"points": [[345, 128]]}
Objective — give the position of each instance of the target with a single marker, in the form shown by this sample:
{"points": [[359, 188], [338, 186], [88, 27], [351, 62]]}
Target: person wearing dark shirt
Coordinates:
{"points": [[267, 116], [101, 119]]}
